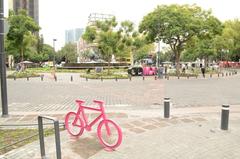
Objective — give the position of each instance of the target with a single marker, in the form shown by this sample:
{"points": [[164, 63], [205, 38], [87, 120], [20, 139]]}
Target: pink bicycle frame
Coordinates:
{"points": [[81, 110]]}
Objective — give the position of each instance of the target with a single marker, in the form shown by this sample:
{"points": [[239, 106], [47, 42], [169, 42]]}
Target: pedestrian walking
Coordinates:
{"points": [[202, 70]]}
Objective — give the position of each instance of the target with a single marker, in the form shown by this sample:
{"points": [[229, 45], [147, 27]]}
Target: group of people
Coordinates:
{"points": [[203, 70], [20, 67]]}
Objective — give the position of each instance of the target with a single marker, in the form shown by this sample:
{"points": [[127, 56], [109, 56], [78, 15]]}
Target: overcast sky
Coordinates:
{"points": [[56, 16]]}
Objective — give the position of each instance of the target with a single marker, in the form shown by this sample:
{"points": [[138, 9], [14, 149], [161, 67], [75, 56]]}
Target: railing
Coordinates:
{"points": [[7, 147], [41, 136]]}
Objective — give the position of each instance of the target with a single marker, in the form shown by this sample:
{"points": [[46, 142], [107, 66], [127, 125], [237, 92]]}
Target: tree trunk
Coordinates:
{"points": [[109, 60], [131, 58], [21, 53], [205, 62], [178, 63]]}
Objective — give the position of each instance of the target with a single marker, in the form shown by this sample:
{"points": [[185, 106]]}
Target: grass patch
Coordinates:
{"points": [[11, 136], [50, 69], [112, 74], [183, 74], [23, 74]]}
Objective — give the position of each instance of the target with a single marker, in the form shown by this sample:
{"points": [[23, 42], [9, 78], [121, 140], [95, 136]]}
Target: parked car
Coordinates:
{"points": [[135, 70]]}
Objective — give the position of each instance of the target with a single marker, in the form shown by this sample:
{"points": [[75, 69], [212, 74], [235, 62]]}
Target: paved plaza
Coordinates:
{"points": [[137, 106]]}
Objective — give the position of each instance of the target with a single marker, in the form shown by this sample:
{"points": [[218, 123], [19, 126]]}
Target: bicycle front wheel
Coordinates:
{"points": [[74, 129], [109, 134]]}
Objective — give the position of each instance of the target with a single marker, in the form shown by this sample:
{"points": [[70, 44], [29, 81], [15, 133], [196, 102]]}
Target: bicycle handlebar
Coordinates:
{"points": [[79, 101], [98, 102], [95, 101]]}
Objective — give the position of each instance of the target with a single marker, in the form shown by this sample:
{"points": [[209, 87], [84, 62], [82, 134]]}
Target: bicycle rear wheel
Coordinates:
{"points": [[112, 138], [74, 129]]}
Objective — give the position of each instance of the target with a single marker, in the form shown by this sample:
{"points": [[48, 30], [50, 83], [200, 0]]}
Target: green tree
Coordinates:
{"points": [[21, 32], [134, 44], [203, 48], [105, 38], [228, 44], [68, 53], [128, 36], [177, 24], [90, 34], [143, 51], [48, 52]]}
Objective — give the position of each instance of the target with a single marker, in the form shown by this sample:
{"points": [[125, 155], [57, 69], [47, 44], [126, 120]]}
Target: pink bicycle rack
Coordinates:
{"points": [[108, 132]]}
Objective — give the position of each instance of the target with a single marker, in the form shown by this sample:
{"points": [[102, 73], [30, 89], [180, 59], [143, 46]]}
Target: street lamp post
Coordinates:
{"points": [[54, 60], [158, 60], [3, 64], [158, 54]]}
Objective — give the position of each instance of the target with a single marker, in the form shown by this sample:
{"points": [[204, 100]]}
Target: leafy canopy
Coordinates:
{"points": [[176, 24], [21, 32]]}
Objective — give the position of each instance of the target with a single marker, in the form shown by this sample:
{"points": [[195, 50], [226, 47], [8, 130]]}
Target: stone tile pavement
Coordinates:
{"points": [[189, 133]]}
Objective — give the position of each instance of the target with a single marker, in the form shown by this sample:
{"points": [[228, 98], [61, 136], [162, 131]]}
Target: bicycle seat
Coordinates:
{"points": [[98, 102], [79, 101]]}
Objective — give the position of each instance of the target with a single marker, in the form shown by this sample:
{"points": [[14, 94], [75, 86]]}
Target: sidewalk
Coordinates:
{"points": [[189, 133]]}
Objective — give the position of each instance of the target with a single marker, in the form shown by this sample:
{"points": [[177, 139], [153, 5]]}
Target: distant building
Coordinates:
{"points": [[93, 17], [73, 35], [32, 7], [6, 27]]}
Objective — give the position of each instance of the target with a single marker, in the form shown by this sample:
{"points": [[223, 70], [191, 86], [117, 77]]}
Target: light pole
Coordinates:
{"points": [[54, 61], [3, 64], [158, 60]]}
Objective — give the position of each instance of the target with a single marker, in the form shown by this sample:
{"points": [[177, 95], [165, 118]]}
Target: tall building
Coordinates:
{"points": [[32, 7], [73, 35], [93, 17]]}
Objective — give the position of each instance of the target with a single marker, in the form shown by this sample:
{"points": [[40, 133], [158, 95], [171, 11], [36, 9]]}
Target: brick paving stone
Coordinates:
{"points": [[187, 120], [126, 125], [185, 140], [136, 130], [161, 124], [174, 121], [199, 119], [149, 121], [149, 127], [121, 115], [138, 123]]}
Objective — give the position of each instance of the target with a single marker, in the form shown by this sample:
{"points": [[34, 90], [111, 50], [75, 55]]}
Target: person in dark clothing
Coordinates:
{"points": [[202, 70]]}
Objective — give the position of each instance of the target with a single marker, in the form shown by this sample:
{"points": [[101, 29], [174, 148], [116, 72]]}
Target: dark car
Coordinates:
{"points": [[135, 71]]}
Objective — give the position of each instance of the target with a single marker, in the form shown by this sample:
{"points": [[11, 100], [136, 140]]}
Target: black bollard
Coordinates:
{"points": [[226, 74], [225, 117], [178, 77], [187, 76], [14, 78], [166, 107], [101, 79], [86, 79], [210, 75], [27, 78], [42, 77], [71, 78], [55, 78], [218, 74], [130, 78], [116, 79], [155, 77], [143, 78]]}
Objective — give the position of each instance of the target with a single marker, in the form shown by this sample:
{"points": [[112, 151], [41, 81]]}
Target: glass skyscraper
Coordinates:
{"points": [[73, 35], [32, 7]]}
